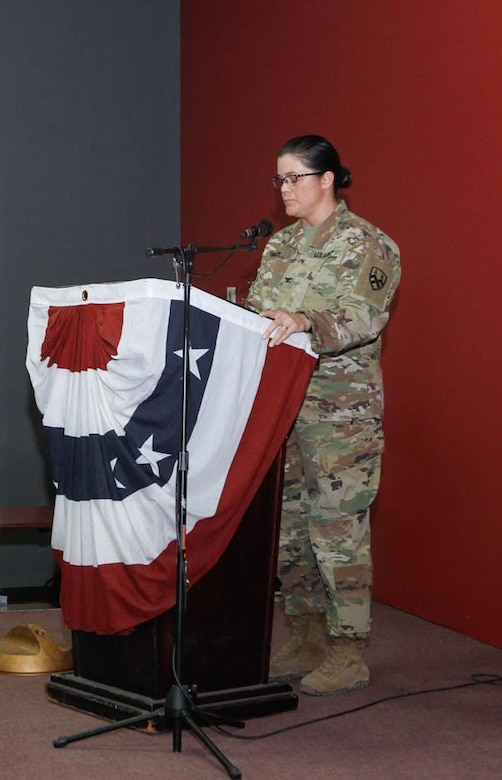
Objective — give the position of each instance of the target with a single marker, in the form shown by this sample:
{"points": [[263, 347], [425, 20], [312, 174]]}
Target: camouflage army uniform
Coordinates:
{"points": [[343, 281]]}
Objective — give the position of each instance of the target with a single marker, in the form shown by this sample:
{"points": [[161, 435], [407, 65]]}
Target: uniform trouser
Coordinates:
{"points": [[331, 477]]}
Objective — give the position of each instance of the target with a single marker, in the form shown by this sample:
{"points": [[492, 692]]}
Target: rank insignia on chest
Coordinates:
{"points": [[377, 278]]}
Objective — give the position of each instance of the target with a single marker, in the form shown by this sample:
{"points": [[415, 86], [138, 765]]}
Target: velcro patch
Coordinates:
{"points": [[372, 281]]}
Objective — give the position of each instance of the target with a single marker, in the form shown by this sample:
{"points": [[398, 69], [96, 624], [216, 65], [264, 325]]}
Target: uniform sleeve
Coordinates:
{"points": [[253, 299], [262, 288], [365, 276]]}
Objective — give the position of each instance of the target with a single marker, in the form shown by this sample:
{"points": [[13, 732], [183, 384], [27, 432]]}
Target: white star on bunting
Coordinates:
{"points": [[193, 356], [113, 463], [150, 456]]}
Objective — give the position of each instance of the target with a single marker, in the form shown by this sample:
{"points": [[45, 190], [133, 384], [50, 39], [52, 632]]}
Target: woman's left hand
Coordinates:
{"points": [[283, 325]]}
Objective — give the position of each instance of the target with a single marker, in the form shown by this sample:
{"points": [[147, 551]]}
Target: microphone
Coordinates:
{"points": [[263, 228]]}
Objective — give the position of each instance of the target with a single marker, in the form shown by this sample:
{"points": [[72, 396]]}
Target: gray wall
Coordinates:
{"points": [[89, 176]]}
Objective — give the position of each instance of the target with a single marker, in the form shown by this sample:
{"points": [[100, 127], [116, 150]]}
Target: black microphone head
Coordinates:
{"points": [[265, 227]]}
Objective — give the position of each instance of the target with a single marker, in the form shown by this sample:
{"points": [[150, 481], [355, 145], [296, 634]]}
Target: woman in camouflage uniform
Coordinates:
{"points": [[333, 275]]}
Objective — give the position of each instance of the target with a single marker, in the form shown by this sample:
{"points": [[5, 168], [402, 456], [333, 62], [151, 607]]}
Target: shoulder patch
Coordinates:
{"points": [[372, 281], [378, 278]]}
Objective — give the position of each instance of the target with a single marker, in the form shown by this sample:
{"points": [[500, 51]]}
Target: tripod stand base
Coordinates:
{"points": [[114, 704]]}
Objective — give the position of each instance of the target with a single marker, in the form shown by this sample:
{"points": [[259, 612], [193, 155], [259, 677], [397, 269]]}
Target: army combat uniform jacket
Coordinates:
{"points": [[344, 281]]}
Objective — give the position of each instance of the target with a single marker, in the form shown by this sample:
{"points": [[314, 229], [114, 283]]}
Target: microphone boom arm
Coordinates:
{"points": [[153, 251]]}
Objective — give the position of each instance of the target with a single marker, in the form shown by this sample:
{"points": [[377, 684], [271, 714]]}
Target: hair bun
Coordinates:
{"points": [[343, 178]]}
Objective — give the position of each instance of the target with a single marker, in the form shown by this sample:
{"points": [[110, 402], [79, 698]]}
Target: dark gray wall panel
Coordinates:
{"points": [[89, 175]]}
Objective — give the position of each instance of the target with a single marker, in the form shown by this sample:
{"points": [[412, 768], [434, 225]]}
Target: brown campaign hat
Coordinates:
{"points": [[30, 649]]}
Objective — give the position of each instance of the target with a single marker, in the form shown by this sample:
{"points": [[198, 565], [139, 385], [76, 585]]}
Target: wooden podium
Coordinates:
{"points": [[227, 636]]}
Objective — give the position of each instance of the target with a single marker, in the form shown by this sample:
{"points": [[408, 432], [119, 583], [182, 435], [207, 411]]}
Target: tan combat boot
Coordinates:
{"points": [[304, 649], [343, 670]]}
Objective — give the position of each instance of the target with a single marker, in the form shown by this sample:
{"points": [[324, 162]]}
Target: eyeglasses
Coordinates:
{"points": [[291, 178]]}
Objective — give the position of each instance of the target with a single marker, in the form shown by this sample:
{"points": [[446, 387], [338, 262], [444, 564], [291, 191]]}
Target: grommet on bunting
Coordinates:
{"points": [[30, 649]]}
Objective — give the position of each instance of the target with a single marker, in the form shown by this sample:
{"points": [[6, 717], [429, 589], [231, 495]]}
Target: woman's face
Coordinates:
{"points": [[311, 199]]}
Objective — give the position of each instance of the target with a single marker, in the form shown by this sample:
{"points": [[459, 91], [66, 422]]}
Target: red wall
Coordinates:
{"points": [[410, 95]]}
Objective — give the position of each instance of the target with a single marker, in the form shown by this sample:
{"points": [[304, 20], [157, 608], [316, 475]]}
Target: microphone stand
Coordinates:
{"points": [[179, 707]]}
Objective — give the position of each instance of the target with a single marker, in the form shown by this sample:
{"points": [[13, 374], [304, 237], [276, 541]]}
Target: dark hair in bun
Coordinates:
{"points": [[319, 155]]}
